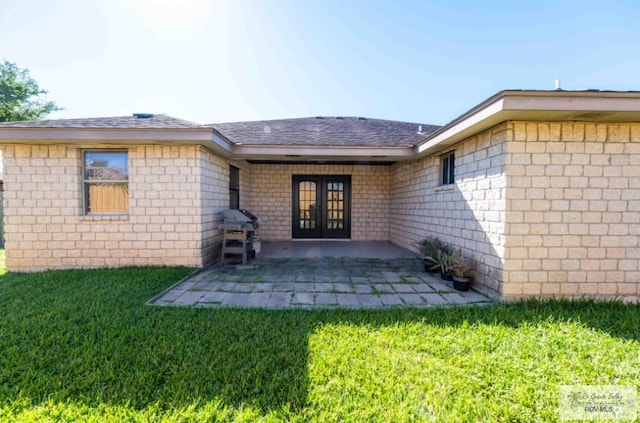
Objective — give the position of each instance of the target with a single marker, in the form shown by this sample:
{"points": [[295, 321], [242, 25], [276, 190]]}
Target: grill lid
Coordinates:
{"points": [[240, 217]]}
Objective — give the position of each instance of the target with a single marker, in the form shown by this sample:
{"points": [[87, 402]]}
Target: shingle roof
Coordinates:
{"points": [[160, 121], [325, 131], [314, 131]]}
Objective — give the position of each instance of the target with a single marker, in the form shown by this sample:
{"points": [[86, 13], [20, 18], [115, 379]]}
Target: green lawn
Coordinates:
{"points": [[3, 266], [82, 346]]}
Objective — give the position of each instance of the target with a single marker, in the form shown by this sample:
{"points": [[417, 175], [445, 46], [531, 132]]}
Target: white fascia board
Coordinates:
{"points": [[472, 124], [205, 138], [221, 143], [255, 151], [578, 102], [87, 134]]}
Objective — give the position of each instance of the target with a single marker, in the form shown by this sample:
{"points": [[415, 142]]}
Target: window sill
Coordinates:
{"points": [[448, 187], [104, 218]]}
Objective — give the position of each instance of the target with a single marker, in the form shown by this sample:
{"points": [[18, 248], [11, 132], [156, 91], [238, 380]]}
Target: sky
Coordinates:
{"points": [[214, 61]]}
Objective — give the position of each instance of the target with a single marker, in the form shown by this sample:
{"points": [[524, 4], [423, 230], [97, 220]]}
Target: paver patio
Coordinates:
{"points": [[318, 282]]}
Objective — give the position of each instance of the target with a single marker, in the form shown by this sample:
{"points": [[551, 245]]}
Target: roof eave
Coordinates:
{"points": [[206, 137], [511, 105], [310, 152]]}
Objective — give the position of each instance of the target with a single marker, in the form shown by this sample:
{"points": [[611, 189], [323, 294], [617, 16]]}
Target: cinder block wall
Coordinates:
{"points": [[468, 214], [46, 227], [573, 220], [271, 198], [214, 184]]}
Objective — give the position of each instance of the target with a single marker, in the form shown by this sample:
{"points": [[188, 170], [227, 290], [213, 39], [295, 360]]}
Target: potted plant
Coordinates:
{"points": [[462, 270], [442, 261], [429, 248]]}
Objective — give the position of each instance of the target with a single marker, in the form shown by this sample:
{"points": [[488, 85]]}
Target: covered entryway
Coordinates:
{"points": [[321, 206]]}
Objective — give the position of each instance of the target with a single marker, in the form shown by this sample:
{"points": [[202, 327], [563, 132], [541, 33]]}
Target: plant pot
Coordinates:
{"points": [[461, 284], [428, 266], [446, 276]]}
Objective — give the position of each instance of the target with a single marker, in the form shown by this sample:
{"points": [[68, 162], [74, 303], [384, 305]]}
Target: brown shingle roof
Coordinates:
{"points": [[160, 121], [325, 131]]}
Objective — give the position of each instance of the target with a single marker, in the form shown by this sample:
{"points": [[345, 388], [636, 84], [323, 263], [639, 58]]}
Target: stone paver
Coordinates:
{"points": [[421, 288], [412, 299], [172, 295], [258, 299], [325, 299], [383, 288], [204, 286], [360, 279], [434, 299], [459, 298], [363, 288], [244, 287], [303, 298], [327, 282], [323, 287], [227, 286], [304, 287], [263, 287], [215, 297], [390, 300], [404, 288], [369, 300], [283, 286], [343, 287], [348, 300], [189, 297], [188, 284], [238, 299], [324, 278], [441, 287], [280, 299]]}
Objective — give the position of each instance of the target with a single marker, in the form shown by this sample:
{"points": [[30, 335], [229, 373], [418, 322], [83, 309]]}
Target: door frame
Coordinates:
{"points": [[321, 232]]}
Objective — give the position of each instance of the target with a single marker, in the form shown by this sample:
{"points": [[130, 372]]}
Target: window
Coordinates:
{"points": [[106, 182], [234, 187], [448, 168]]}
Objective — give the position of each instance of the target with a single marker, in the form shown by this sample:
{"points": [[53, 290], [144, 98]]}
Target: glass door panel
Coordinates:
{"points": [[307, 205], [335, 205], [321, 206]]}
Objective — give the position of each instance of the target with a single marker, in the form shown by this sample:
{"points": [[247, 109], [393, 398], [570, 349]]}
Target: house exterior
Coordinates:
{"points": [[540, 188]]}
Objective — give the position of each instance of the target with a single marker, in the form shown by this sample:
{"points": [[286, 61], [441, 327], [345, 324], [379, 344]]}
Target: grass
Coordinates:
{"points": [[3, 266], [83, 346]]}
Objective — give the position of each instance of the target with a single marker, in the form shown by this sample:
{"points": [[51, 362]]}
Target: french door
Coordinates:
{"points": [[321, 206]]}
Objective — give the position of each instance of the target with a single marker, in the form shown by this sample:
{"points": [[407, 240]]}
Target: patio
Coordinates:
{"points": [[333, 274]]}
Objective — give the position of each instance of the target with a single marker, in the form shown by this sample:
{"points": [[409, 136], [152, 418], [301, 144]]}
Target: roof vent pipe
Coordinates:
{"points": [[558, 84], [420, 130]]}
